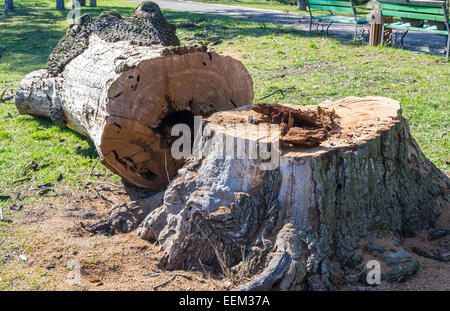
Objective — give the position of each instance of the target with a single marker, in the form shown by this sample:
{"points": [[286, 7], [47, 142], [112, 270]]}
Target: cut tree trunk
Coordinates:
{"points": [[9, 5], [292, 220], [60, 5], [126, 97], [301, 5]]}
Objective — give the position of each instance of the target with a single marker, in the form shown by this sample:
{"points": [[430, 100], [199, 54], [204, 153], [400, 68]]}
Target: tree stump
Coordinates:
{"points": [[115, 80], [9, 5], [60, 5], [290, 220]]}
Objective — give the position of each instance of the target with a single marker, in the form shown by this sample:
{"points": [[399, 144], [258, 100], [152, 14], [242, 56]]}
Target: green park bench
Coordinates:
{"points": [[421, 15], [345, 9]]}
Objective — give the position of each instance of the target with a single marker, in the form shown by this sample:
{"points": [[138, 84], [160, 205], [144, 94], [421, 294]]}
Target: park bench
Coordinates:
{"points": [[345, 9], [420, 15]]}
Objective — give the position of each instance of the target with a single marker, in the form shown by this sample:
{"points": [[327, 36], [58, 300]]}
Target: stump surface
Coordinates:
{"points": [[125, 90]]}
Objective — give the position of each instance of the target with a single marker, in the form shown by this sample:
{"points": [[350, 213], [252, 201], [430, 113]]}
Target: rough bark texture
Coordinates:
{"points": [[9, 5], [301, 5], [146, 27], [293, 226], [60, 4], [125, 90]]}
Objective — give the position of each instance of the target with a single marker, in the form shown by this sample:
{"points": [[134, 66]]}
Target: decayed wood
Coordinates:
{"points": [[126, 97], [306, 127], [299, 222]]}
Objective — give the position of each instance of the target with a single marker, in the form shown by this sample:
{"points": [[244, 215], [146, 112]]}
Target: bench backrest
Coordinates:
{"points": [[423, 10], [332, 5]]}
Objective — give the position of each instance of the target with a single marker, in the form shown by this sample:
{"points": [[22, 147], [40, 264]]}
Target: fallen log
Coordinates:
{"points": [[115, 80], [290, 216]]}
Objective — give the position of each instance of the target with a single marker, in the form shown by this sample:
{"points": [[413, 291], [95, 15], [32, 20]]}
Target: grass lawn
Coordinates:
{"points": [[33, 151]]}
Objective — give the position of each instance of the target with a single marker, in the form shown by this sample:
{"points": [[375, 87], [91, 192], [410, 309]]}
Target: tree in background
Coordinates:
{"points": [[9, 6], [301, 5], [92, 3], [81, 2], [60, 4]]}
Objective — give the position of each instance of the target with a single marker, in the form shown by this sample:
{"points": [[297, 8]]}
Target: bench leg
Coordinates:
{"points": [[448, 47], [403, 37], [382, 34], [328, 27], [310, 24], [356, 33]]}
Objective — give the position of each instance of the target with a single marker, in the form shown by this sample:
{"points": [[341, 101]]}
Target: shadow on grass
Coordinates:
{"points": [[87, 152]]}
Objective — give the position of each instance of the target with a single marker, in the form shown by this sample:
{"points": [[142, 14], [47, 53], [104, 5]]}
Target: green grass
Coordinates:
{"points": [[33, 151]]}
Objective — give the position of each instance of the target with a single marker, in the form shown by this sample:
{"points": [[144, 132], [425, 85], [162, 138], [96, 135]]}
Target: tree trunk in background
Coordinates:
{"points": [[314, 214], [301, 5], [9, 6], [60, 5], [92, 3], [82, 2]]}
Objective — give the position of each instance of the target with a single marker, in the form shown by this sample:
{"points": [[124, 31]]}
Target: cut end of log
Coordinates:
{"points": [[146, 101]]}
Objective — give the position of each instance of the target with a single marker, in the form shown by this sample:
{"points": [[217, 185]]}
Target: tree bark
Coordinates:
{"points": [[60, 5], [9, 5], [292, 225], [126, 97], [301, 5]]}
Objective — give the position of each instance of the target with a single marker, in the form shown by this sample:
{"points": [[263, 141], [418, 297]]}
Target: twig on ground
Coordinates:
{"points": [[439, 233], [104, 183], [222, 261], [90, 172], [4, 99], [103, 197], [281, 91], [164, 283], [1, 213], [207, 274], [426, 254], [21, 180], [165, 166], [155, 274]]}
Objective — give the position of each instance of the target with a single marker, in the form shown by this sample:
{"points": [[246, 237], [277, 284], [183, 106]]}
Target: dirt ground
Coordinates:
{"points": [[433, 275], [45, 245], [52, 238]]}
